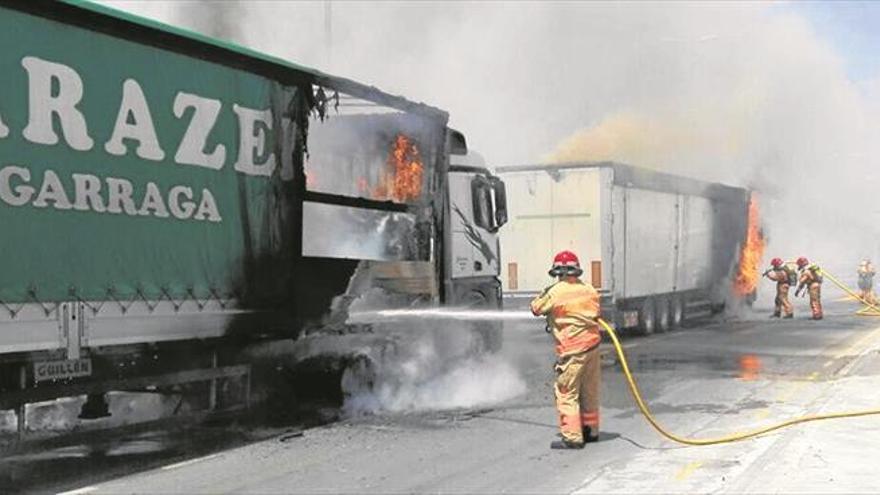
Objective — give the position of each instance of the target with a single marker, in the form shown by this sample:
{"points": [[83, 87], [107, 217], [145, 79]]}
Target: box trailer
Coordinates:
{"points": [[654, 244], [168, 199]]}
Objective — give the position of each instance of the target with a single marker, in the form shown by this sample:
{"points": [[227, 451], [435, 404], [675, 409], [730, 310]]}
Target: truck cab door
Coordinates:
{"points": [[475, 218]]}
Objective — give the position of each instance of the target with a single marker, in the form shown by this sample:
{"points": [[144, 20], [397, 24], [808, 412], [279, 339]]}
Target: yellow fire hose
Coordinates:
{"points": [[870, 308], [637, 396]]}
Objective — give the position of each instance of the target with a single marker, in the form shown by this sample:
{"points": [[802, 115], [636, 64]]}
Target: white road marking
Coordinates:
{"points": [[80, 491], [189, 462], [858, 345]]}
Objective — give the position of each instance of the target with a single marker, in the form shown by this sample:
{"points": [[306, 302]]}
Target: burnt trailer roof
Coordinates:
{"points": [[643, 178], [121, 24]]}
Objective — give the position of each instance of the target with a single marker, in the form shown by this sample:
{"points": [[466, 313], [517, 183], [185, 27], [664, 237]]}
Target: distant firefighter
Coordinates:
{"points": [[571, 308], [866, 281], [811, 280], [784, 276]]}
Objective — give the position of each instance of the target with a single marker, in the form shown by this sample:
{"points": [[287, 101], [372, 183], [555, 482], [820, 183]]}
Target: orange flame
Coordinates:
{"points": [[751, 253], [404, 181]]}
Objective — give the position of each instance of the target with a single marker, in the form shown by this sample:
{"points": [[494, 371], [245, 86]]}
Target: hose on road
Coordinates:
{"points": [[870, 308], [646, 412]]}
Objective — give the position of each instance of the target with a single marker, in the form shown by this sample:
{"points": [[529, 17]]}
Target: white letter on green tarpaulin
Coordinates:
{"points": [[134, 122], [153, 202], [20, 195], [208, 208], [87, 191], [119, 193], [252, 127], [52, 190], [181, 210], [44, 103], [195, 140]]}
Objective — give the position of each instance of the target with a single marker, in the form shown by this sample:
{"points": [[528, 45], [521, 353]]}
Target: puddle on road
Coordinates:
{"points": [[714, 409], [655, 374], [739, 366], [749, 367]]}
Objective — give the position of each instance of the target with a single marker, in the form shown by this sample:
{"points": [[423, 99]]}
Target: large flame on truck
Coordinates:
{"points": [[751, 253], [403, 180]]}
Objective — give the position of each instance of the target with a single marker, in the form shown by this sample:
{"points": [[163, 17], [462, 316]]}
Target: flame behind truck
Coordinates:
{"points": [[169, 200], [660, 248]]}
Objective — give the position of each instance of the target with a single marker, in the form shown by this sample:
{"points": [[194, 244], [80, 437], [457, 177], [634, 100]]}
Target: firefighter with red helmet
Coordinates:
{"points": [[571, 307], [811, 280], [784, 276]]}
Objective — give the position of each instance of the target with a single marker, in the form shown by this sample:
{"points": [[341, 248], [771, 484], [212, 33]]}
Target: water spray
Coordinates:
{"points": [[458, 314]]}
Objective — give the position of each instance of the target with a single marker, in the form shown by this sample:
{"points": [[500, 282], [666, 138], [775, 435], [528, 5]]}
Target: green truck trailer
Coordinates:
{"points": [[164, 196]]}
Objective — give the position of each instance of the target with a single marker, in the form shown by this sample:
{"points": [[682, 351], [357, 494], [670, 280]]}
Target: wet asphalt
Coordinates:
{"points": [[718, 376]]}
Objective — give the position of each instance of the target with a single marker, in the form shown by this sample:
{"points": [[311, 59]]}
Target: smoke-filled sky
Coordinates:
{"points": [[784, 97]]}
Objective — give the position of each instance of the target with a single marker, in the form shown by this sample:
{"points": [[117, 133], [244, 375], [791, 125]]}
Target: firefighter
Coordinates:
{"points": [[785, 277], [811, 280], [572, 308], [866, 281]]}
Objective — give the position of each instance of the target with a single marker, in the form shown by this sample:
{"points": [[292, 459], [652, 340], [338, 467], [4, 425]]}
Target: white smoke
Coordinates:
{"points": [[436, 363], [745, 93], [425, 376]]}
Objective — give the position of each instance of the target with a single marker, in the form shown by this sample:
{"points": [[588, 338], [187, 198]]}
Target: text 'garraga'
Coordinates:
{"points": [[54, 94]]}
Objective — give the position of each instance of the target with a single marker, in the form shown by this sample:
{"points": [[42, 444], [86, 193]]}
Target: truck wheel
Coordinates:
{"points": [[647, 319], [676, 311], [662, 317], [489, 333], [358, 378]]}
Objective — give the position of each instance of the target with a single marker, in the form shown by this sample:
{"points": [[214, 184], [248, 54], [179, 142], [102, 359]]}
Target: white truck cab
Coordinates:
{"points": [[477, 209]]}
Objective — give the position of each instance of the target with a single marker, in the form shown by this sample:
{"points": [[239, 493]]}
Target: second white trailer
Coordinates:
{"points": [[655, 244]]}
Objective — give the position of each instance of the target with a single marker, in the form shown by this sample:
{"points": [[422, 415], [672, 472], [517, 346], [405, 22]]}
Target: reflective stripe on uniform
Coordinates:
{"points": [[590, 418], [581, 342]]}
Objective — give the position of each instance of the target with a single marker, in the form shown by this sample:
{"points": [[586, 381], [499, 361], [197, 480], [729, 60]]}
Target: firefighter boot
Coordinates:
{"points": [[565, 444], [591, 434]]}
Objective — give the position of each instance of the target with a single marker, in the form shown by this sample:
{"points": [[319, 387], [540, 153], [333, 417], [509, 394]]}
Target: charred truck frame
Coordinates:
{"points": [[168, 199]]}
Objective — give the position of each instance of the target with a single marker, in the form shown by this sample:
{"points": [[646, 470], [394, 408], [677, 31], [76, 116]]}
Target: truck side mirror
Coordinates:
{"points": [[481, 193], [490, 202], [500, 202]]}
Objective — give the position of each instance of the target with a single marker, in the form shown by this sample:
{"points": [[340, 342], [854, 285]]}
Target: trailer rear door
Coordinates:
{"points": [[550, 210]]}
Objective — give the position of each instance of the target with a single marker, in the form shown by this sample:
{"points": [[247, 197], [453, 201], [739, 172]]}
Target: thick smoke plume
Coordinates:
{"points": [[745, 93]]}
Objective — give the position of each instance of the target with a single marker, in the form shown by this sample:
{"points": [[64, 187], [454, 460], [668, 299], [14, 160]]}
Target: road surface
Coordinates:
{"points": [[725, 376]]}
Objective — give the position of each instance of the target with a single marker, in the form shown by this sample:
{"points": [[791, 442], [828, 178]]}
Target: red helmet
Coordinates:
{"points": [[776, 262], [802, 262], [566, 263]]}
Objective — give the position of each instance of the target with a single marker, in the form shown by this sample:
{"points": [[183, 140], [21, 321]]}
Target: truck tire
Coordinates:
{"points": [[489, 333], [662, 315], [676, 311], [647, 317], [358, 378]]}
